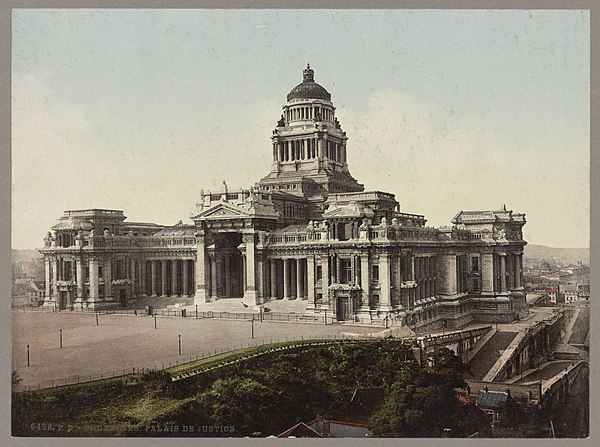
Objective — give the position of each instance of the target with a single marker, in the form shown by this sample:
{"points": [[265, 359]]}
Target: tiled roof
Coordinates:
{"points": [[492, 399]]}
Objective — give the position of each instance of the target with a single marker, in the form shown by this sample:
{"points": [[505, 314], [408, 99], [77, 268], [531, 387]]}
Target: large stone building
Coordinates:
{"points": [[306, 231]]}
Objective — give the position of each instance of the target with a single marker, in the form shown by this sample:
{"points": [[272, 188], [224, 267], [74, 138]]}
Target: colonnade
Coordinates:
{"points": [[304, 112], [507, 272], [308, 149], [167, 278], [288, 278]]}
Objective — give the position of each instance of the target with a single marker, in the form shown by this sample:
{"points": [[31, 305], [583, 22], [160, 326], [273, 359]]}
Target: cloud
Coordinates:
{"points": [[439, 162]]}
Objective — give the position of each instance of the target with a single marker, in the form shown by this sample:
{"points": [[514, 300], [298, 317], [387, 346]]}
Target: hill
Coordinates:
{"points": [[533, 251], [24, 255]]}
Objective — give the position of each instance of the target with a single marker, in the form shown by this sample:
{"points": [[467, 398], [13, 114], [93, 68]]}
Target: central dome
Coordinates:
{"points": [[308, 89]]}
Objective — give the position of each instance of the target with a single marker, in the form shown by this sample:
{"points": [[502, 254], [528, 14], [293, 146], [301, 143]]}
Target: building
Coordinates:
{"points": [[306, 231]]}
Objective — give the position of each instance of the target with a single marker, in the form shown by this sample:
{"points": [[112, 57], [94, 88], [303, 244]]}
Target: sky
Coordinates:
{"points": [[449, 110]]}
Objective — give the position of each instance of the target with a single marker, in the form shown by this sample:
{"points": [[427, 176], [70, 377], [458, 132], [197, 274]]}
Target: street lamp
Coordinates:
{"points": [[27, 355], [252, 325], [179, 337]]}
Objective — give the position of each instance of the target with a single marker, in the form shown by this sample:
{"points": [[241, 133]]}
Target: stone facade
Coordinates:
{"points": [[306, 231]]}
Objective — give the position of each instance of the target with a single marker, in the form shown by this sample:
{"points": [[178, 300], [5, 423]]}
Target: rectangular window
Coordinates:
{"points": [[375, 272], [475, 285], [87, 273], [120, 270], [100, 272], [68, 271], [319, 272], [474, 264], [346, 271]]}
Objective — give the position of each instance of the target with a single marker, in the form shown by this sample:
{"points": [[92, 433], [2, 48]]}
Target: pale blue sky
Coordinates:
{"points": [[140, 109]]}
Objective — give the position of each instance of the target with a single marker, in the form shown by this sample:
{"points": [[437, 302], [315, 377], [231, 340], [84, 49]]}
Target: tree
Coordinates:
{"points": [[419, 404]]}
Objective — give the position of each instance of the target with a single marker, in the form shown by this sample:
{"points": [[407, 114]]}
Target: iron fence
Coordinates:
{"points": [[187, 358]]}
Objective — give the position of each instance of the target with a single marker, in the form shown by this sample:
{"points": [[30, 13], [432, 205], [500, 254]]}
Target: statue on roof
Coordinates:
{"points": [[281, 122]]}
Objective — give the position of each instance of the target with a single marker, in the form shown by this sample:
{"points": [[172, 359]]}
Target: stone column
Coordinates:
{"points": [[143, 278], [93, 263], [325, 277], [133, 276], [293, 283], [518, 272], [186, 277], [153, 278], [384, 282], [79, 269], [273, 278], [174, 278], [333, 270], [261, 279], [446, 281], [250, 292], [108, 281], [487, 273], [310, 279], [243, 273], [213, 276], [299, 279], [163, 277], [320, 148], [365, 280], [200, 296], [286, 279], [47, 278], [502, 272]]}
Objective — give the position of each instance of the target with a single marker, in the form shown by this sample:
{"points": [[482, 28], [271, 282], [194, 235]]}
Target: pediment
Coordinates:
{"points": [[222, 211]]}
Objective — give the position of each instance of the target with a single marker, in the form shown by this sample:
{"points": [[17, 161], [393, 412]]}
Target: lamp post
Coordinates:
{"points": [[179, 337], [252, 325], [154, 321], [325, 319], [27, 355], [96, 318], [60, 337]]}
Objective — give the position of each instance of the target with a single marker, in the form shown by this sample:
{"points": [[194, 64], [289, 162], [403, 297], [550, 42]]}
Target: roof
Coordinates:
{"points": [[341, 429], [300, 430], [492, 399], [289, 229], [179, 229], [308, 89]]}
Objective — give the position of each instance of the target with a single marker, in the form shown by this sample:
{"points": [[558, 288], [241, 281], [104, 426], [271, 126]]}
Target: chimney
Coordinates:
{"points": [[326, 429]]}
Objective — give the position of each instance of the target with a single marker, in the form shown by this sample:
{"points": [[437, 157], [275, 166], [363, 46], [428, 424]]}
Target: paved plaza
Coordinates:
{"points": [[123, 342]]}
